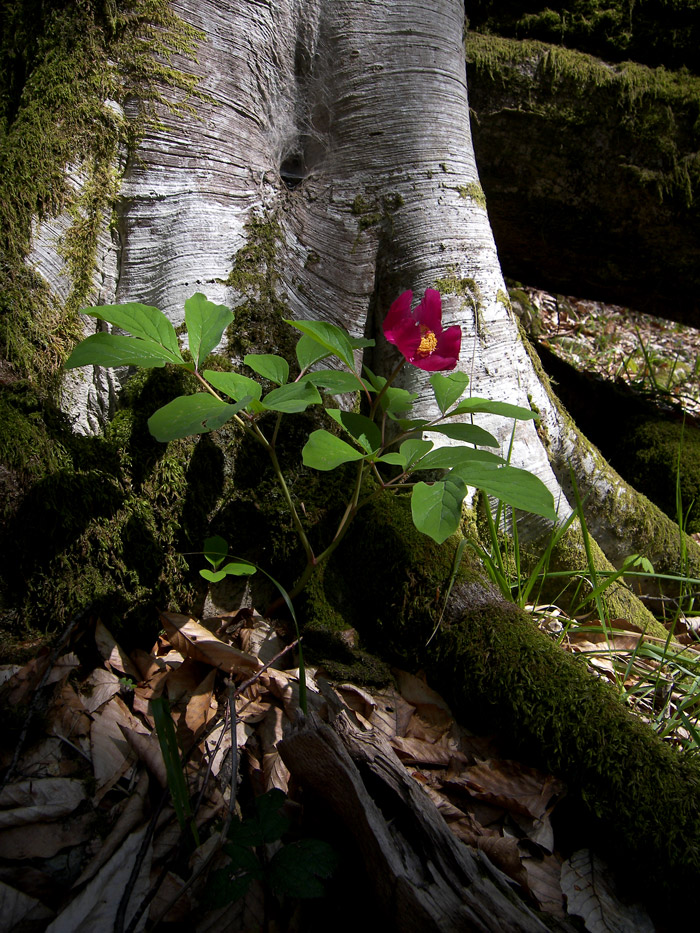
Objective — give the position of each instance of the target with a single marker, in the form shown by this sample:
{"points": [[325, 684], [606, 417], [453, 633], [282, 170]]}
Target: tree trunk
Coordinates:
{"points": [[347, 124]]}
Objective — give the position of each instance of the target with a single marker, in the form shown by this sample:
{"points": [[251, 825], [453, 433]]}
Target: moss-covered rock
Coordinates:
{"points": [[617, 30], [610, 211], [99, 521]]}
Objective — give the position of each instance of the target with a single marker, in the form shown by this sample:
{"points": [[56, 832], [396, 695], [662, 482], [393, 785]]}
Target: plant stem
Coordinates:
{"points": [[386, 385], [308, 550]]}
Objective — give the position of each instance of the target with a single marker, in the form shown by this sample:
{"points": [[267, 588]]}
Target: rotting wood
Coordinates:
{"points": [[423, 877]]}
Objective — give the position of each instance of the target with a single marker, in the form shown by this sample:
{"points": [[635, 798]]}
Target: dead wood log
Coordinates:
{"points": [[423, 877]]}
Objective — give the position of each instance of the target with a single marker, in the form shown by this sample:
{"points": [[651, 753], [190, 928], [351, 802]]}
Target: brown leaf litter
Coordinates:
{"points": [[88, 838]]}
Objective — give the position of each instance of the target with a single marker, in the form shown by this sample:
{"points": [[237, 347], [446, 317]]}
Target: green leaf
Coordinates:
{"points": [[297, 396], [334, 339], [444, 458], [191, 414], [215, 550], [519, 488], [269, 366], [142, 321], [412, 424], [334, 381], [394, 401], [233, 569], [474, 405], [179, 792], [413, 449], [408, 454], [437, 508], [272, 821], [467, 433], [325, 451], [363, 429], [117, 350], [222, 889], [308, 352], [205, 322], [376, 382], [393, 459], [242, 859], [234, 385], [359, 343], [449, 388], [295, 869]]}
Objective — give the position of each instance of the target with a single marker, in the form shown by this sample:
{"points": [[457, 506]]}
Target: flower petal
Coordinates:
{"points": [[446, 353], [429, 311], [398, 316]]}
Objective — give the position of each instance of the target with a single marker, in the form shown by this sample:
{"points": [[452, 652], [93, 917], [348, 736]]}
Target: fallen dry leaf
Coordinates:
{"points": [[417, 752], [590, 894], [27, 678], [201, 709], [98, 689], [109, 747], [509, 784], [67, 718], [543, 878], [147, 747], [34, 800], [258, 637], [112, 653], [17, 909], [44, 840], [131, 816], [275, 772], [194, 641], [392, 713], [96, 906]]}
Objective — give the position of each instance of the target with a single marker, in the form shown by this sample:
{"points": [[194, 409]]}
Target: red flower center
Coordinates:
{"points": [[428, 342]]}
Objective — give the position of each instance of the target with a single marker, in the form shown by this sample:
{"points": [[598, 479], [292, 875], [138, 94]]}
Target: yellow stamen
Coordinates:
{"points": [[428, 343]]}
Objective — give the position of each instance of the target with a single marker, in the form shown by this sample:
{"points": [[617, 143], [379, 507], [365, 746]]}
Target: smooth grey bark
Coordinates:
{"points": [[365, 105]]}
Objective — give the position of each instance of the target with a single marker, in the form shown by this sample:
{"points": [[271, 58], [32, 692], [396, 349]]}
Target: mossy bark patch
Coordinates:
{"points": [[65, 71]]}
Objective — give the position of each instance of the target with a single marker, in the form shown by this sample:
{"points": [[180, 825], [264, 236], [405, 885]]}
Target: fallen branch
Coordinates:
{"points": [[424, 879]]}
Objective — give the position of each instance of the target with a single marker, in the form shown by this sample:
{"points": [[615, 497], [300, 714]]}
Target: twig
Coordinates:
{"points": [[133, 877], [256, 677]]}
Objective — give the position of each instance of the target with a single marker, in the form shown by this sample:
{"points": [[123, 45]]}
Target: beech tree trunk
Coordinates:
{"points": [[348, 124]]}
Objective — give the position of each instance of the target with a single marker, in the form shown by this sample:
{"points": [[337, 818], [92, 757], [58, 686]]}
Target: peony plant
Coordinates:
{"points": [[383, 440]]}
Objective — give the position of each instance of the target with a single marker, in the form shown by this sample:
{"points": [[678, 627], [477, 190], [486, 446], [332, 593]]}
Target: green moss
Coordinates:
{"points": [[375, 211], [259, 323], [473, 192], [573, 91], [115, 513], [613, 29], [467, 289], [60, 65]]}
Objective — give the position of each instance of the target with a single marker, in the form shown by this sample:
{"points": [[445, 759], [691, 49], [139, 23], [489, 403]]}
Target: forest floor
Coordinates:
{"points": [[647, 353], [88, 830]]}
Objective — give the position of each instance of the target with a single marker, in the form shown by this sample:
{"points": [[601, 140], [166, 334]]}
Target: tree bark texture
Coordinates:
{"points": [[348, 123], [423, 877]]}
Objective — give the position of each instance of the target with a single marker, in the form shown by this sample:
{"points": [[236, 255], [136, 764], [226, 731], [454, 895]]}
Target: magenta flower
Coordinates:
{"points": [[419, 334]]}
